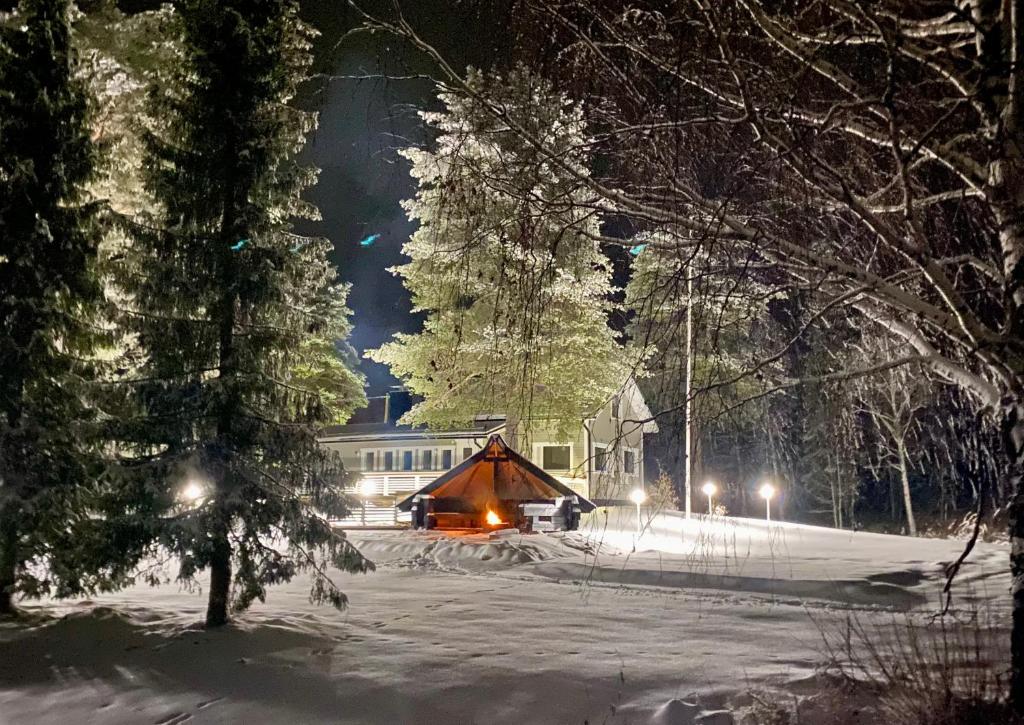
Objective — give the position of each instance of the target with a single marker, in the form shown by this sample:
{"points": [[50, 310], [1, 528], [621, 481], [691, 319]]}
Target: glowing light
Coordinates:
{"points": [[367, 241], [366, 487], [192, 492], [492, 519], [637, 249], [709, 489], [241, 243], [767, 491], [637, 496]]}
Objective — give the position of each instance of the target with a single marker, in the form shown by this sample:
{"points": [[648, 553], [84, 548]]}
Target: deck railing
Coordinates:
{"points": [[374, 494]]}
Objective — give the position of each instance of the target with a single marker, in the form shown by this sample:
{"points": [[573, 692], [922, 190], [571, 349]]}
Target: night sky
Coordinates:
{"points": [[362, 122]]}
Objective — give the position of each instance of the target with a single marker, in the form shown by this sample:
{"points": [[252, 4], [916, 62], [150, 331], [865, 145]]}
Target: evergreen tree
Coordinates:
{"points": [[236, 317], [49, 301], [505, 265]]}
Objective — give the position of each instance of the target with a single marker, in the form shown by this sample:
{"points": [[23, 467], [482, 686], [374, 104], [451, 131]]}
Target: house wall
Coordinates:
{"points": [[622, 444], [609, 436]]}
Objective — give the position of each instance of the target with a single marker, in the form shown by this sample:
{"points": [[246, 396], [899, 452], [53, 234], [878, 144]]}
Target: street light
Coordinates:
{"points": [[638, 496], [710, 489], [767, 491]]}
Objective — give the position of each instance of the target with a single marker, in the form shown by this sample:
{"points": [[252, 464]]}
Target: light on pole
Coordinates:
{"points": [[710, 489], [366, 489], [767, 491], [638, 496]]}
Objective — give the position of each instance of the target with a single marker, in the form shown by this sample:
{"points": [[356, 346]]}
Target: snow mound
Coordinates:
{"points": [[463, 552]]}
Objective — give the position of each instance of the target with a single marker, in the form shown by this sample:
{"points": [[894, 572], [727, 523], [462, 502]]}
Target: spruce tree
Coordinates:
{"points": [[49, 300], [505, 265], [237, 317]]}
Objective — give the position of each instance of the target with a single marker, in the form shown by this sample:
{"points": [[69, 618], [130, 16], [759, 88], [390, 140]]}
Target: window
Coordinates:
{"points": [[446, 459], [389, 461], [629, 462], [406, 460], [427, 460], [556, 458], [369, 461], [615, 407], [602, 457], [466, 453]]}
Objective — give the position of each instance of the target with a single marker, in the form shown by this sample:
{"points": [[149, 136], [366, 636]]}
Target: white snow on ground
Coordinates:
{"points": [[593, 626]]}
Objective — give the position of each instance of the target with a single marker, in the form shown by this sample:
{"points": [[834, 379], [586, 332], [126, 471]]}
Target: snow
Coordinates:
{"points": [[590, 626]]}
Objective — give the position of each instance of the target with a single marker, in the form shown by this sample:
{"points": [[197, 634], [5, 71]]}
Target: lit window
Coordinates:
{"points": [[556, 458], [446, 459], [427, 459], [406, 460], [629, 462]]}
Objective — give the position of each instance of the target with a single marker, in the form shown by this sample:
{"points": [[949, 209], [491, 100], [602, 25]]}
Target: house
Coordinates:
{"points": [[602, 459]]}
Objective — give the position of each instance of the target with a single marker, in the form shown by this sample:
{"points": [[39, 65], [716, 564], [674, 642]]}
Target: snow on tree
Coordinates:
{"points": [[506, 267], [119, 53], [50, 304], [236, 318]]}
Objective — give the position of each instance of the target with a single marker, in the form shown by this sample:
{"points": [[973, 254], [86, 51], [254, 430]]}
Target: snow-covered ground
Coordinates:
{"points": [[588, 627]]}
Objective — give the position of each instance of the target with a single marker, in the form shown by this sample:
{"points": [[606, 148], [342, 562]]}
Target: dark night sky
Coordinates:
{"points": [[361, 123]]}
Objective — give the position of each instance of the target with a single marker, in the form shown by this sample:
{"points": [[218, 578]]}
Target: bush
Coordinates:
{"points": [[937, 672]]}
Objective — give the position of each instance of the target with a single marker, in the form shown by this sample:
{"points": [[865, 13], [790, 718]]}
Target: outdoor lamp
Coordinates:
{"points": [[767, 491], [710, 489], [192, 492], [638, 496]]}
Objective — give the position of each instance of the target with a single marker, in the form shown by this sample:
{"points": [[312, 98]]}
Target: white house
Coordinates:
{"points": [[603, 459]]}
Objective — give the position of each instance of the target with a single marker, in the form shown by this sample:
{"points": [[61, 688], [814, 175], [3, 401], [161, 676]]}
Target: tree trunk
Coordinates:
{"points": [[220, 578], [901, 451], [512, 432], [8, 562], [1013, 439]]}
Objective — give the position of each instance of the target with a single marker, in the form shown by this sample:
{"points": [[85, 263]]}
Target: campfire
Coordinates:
{"points": [[492, 519]]}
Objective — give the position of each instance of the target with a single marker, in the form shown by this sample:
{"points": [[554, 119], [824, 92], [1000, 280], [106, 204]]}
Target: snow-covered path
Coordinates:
{"points": [[471, 631]]}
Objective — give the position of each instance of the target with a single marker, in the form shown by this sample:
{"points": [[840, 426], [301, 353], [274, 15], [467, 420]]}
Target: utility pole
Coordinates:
{"points": [[688, 408]]}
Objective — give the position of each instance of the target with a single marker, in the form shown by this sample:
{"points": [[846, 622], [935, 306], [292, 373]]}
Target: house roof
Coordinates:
{"points": [[393, 431], [636, 399], [496, 472]]}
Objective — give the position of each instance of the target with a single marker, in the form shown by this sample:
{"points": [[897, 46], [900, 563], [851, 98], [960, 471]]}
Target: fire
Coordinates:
{"points": [[492, 518]]}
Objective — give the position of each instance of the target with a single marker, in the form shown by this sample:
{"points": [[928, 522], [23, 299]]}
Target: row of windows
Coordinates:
{"points": [[420, 459], [555, 457], [559, 458]]}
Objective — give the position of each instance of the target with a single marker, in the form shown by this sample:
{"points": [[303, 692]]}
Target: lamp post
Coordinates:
{"points": [[767, 491], [366, 489], [638, 496], [710, 489]]}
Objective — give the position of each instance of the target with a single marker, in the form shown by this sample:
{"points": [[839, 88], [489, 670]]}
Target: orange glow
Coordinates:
{"points": [[492, 518]]}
